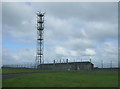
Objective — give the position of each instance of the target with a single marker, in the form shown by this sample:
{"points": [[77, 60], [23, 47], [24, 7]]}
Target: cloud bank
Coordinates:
{"points": [[72, 30]]}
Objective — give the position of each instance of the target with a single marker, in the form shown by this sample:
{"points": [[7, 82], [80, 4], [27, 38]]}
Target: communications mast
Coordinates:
{"points": [[40, 39]]}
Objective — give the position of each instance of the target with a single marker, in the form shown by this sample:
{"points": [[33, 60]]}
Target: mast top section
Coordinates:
{"points": [[40, 14]]}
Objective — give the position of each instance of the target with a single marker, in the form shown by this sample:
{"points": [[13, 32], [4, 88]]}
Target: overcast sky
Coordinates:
{"points": [[72, 30]]}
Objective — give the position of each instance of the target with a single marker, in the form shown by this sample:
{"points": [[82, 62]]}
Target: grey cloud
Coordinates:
{"points": [[18, 23], [101, 30], [14, 13], [83, 11]]}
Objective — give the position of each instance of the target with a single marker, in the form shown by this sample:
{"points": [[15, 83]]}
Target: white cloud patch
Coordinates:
{"points": [[89, 52], [62, 52], [79, 44], [18, 57]]}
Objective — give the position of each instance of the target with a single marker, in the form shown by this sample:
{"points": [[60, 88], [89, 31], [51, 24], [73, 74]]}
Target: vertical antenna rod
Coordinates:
{"points": [[111, 64], [40, 31], [102, 63]]}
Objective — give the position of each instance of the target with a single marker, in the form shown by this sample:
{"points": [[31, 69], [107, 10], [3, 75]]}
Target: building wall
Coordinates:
{"points": [[81, 66], [67, 66]]}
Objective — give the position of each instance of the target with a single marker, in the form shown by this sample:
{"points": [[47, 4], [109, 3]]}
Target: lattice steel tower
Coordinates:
{"points": [[40, 38]]}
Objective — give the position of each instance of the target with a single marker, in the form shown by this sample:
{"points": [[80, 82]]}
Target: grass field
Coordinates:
{"points": [[15, 70], [64, 79]]}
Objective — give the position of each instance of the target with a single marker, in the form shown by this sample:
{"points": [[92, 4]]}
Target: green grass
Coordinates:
{"points": [[64, 79], [0, 76], [9, 70]]}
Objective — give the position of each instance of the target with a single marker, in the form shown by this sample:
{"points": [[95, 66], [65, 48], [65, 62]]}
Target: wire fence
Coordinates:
{"points": [[60, 61]]}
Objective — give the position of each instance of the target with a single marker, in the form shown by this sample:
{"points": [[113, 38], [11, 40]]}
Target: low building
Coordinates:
{"points": [[67, 66]]}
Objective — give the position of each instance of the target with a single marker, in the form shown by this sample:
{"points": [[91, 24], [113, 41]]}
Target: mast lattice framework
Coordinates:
{"points": [[40, 38]]}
